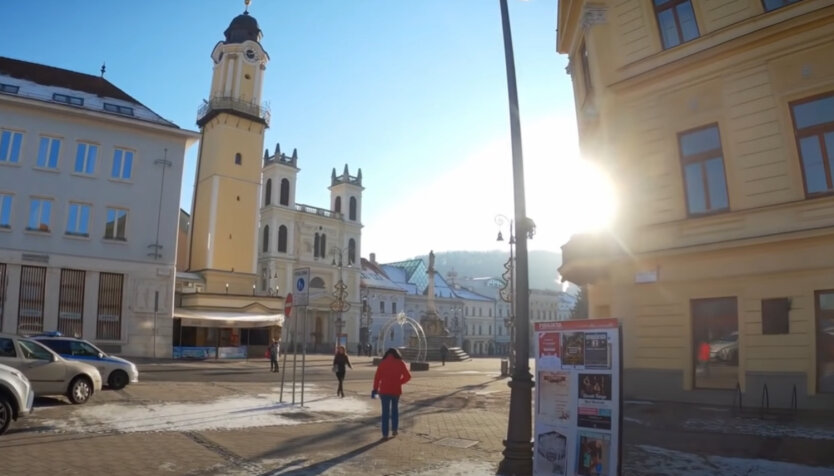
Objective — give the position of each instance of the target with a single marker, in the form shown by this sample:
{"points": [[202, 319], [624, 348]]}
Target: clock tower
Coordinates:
{"points": [[224, 238]]}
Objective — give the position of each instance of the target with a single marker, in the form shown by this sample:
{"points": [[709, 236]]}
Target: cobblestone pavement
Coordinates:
{"points": [[453, 420]]}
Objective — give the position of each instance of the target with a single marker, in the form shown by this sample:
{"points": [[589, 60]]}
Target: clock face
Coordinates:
{"points": [[251, 54]]}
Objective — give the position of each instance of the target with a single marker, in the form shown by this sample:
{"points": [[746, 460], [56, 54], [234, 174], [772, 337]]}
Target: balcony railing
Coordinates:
{"points": [[218, 104], [318, 211]]}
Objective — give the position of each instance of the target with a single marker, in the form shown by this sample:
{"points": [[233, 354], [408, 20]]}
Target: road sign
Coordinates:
{"points": [[301, 286], [288, 305]]}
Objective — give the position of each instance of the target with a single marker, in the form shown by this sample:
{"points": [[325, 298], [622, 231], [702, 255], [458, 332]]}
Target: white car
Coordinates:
{"points": [[116, 372], [47, 371], [16, 396]]}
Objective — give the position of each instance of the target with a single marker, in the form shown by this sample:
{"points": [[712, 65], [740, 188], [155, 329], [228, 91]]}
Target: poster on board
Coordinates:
{"points": [[578, 399]]}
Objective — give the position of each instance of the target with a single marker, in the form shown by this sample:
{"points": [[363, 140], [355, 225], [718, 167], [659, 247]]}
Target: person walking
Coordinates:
{"points": [[389, 378], [444, 352], [340, 360], [273, 356]]}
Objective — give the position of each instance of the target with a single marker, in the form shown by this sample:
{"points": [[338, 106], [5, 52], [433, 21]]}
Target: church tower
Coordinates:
{"points": [[346, 199], [227, 194]]}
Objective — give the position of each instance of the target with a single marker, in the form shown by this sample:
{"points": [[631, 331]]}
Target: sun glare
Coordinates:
{"points": [[589, 201]]}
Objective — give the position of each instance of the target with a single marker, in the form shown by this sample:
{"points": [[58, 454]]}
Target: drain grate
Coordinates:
{"points": [[456, 442]]}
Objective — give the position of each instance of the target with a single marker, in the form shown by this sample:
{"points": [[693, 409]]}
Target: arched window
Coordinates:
{"points": [[317, 283], [323, 246], [316, 245], [393, 308], [285, 192], [353, 208], [268, 192], [282, 239], [382, 307], [337, 206], [351, 251], [238, 159], [266, 239]]}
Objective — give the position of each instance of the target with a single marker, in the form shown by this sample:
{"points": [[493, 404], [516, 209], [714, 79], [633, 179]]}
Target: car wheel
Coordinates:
{"points": [[80, 390], [5, 413], [117, 380]]}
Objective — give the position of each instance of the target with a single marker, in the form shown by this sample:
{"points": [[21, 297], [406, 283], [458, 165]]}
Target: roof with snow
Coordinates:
{"points": [[374, 277], [72, 89], [412, 276]]}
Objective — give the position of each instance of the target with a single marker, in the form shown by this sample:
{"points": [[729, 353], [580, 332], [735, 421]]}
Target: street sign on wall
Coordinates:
{"points": [[578, 400], [301, 286]]}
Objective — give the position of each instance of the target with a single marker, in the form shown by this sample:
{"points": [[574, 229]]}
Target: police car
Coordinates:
{"points": [[115, 371]]}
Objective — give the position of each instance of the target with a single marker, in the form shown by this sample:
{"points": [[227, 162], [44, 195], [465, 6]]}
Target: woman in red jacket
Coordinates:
{"points": [[390, 376]]}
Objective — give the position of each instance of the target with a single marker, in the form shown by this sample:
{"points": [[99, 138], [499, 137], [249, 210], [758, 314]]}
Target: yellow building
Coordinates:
{"points": [[218, 296], [715, 118]]}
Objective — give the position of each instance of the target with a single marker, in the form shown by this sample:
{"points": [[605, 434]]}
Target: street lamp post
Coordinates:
{"points": [[507, 292], [340, 304], [518, 447], [367, 320]]}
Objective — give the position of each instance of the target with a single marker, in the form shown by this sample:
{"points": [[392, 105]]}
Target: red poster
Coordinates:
{"points": [[549, 344]]}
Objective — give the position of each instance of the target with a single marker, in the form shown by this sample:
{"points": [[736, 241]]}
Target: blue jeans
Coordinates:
{"points": [[390, 406]]}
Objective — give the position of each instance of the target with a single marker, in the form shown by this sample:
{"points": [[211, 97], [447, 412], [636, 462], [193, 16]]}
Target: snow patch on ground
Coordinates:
{"points": [[646, 459], [468, 372], [221, 414], [758, 428]]}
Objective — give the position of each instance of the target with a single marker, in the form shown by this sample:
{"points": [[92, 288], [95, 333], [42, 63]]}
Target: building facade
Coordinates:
{"points": [[87, 230], [717, 121]]}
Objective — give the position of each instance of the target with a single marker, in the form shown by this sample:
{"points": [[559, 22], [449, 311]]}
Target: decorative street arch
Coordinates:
{"points": [[402, 320]]}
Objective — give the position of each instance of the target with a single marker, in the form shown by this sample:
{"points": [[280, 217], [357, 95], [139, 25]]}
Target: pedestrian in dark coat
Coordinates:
{"points": [[340, 361], [444, 352], [273, 356]]}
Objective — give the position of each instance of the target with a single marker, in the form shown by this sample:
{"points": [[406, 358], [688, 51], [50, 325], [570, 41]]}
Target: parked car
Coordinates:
{"points": [[115, 371], [48, 372], [16, 396], [724, 349]]}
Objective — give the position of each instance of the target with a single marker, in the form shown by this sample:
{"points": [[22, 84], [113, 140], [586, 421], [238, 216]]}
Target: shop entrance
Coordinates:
{"points": [[715, 342]]}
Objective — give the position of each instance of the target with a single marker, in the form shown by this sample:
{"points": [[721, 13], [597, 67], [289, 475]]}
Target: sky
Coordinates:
{"points": [[412, 92]]}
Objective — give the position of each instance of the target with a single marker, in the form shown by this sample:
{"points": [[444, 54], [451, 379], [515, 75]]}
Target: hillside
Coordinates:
{"points": [[543, 265]]}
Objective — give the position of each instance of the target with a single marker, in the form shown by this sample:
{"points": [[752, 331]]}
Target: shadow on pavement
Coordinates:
{"points": [[322, 466]]}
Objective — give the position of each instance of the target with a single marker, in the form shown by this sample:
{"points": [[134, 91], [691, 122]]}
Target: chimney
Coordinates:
{"points": [[373, 258]]}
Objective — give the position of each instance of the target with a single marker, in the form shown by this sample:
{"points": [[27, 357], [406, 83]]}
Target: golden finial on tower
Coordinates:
{"points": [[246, 5]]}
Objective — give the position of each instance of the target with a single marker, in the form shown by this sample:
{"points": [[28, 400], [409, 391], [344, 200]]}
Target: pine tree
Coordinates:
{"points": [[580, 309]]}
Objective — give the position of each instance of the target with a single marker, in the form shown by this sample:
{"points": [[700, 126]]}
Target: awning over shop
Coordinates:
{"points": [[200, 318]]}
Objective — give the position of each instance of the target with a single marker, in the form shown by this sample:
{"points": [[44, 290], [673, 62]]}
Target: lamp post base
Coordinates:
{"points": [[518, 447]]}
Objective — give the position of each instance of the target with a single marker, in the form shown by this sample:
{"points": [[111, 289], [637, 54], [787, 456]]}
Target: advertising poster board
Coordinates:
{"points": [[578, 417]]}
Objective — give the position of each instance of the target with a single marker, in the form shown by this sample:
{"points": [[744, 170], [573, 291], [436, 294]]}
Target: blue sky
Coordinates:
{"points": [[413, 92]]}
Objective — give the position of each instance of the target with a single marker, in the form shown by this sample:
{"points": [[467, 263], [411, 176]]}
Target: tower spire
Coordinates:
{"points": [[246, 5]]}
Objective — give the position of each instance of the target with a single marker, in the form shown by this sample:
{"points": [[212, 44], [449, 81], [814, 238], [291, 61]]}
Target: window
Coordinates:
{"points": [[813, 122], [122, 164], [676, 20], [238, 159], [2, 293], [30, 310], [775, 316], [316, 245], [39, 211], [85, 158], [351, 251], [586, 69], [78, 219], [824, 306], [282, 239], [323, 246], [114, 228], [49, 150], [393, 308], [317, 283], [5, 211], [109, 320], [715, 343], [381, 307], [9, 89], [285, 192], [71, 302], [31, 350], [703, 170], [268, 192], [353, 208], [337, 206], [7, 347], [770, 5], [127, 111], [71, 100], [265, 243], [10, 142]]}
